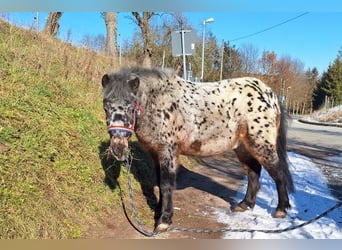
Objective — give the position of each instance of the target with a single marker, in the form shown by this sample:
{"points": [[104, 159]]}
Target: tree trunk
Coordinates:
{"points": [[52, 24], [147, 62], [111, 26], [144, 25]]}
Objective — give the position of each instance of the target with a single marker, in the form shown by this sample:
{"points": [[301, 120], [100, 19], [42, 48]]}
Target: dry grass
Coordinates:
{"points": [[333, 115]]}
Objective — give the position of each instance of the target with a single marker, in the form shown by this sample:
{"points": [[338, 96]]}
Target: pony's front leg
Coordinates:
{"points": [[168, 166]]}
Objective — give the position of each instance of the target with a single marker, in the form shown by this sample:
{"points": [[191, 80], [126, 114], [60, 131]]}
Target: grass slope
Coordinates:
{"points": [[55, 179], [51, 131]]}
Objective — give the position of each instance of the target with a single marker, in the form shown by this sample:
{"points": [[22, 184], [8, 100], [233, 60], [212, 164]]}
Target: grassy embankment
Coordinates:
{"points": [[52, 136]]}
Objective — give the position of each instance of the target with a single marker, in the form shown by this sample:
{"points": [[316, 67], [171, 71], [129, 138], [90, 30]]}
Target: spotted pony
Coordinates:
{"points": [[171, 116]]}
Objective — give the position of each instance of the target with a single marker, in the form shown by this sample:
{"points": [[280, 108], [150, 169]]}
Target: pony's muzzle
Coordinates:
{"points": [[119, 147]]}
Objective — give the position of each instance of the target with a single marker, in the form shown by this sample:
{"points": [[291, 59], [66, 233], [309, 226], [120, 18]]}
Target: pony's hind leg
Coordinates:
{"points": [[279, 177], [275, 162], [253, 168]]}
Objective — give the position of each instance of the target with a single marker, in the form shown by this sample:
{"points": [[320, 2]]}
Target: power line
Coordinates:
{"points": [[269, 28]]}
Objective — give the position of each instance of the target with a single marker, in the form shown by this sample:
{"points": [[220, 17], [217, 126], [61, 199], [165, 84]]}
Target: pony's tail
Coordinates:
{"points": [[282, 150]]}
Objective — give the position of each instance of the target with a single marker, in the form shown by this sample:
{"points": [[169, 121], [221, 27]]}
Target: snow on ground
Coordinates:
{"points": [[332, 115], [312, 197]]}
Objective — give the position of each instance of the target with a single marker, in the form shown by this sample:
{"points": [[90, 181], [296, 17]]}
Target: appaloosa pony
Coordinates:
{"points": [[171, 116]]}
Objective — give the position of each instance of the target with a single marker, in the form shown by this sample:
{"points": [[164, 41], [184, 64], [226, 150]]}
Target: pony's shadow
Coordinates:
{"points": [[219, 165], [142, 169]]}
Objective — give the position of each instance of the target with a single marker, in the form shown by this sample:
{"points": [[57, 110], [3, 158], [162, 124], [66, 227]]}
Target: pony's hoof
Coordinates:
{"points": [[239, 209], [279, 214], [161, 228], [156, 192]]}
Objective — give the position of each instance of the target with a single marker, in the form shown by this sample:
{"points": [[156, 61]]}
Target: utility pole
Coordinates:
{"points": [[120, 52], [221, 66], [37, 21], [183, 53]]}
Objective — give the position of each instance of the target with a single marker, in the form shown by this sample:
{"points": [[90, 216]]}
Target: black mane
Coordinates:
{"points": [[118, 80]]}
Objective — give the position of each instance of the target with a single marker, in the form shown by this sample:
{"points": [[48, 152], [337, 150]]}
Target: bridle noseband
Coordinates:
{"points": [[127, 131]]}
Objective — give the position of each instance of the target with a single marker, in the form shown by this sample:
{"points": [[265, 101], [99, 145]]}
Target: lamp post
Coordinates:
{"points": [[209, 20]]}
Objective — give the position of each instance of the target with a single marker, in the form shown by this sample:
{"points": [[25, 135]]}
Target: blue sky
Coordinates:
{"points": [[314, 38]]}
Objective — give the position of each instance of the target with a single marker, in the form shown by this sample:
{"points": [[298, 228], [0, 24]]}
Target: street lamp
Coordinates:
{"points": [[209, 20]]}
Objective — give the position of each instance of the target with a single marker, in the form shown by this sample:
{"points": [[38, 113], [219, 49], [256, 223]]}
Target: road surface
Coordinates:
{"points": [[325, 136]]}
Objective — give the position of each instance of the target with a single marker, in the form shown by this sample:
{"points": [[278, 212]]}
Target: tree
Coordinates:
{"points": [[160, 40], [96, 43], [319, 93], [211, 59], [330, 85], [312, 76], [232, 62], [249, 58], [52, 24], [268, 63], [332, 81], [142, 20], [110, 19]]}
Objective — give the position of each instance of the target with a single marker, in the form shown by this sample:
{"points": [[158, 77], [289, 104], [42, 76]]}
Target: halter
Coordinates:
{"points": [[127, 130]]}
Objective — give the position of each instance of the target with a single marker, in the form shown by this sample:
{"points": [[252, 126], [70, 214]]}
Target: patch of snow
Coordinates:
{"points": [[311, 198], [332, 114]]}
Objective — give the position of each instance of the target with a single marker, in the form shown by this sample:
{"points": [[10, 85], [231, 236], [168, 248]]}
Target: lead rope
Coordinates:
{"points": [[140, 226], [142, 229]]}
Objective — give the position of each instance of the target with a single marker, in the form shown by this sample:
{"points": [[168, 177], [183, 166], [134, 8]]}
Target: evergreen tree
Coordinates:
{"points": [[320, 94], [332, 80], [312, 77], [232, 65]]}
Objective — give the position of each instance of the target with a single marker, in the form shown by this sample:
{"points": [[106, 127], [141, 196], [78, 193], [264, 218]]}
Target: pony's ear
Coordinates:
{"points": [[133, 81], [105, 80]]}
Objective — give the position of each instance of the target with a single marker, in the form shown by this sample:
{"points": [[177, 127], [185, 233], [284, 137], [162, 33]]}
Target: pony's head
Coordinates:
{"points": [[120, 105]]}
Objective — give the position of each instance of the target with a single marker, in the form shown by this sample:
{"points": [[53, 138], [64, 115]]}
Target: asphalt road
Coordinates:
{"points": [[323, 145], [326, 136]]}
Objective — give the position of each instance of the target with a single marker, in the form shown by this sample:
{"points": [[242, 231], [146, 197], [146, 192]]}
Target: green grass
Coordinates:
{"points": [[51, 127]]}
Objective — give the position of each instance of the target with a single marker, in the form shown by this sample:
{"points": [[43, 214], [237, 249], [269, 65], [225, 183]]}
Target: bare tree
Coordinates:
{"points": [[52, 24], [159, 42], [110, 19], [142, 20], [249, 57], [268, 63]]}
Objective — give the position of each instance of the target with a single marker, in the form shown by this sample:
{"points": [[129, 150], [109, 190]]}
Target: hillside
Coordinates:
{"points": [[56, 180], [52, 137]]}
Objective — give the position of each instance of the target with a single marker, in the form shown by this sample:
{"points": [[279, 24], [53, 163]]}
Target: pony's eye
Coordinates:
{"points": [[130, 110], [106, 111]]}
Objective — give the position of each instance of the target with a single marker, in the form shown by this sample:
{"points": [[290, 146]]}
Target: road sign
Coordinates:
{"points": [[189, 42]]}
